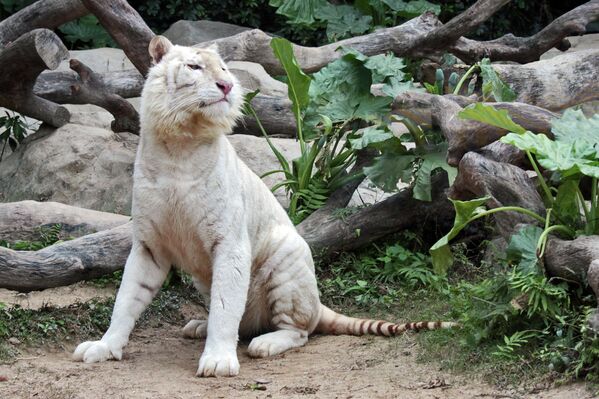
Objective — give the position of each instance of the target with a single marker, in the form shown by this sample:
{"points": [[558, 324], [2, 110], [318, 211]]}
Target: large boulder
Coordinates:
{"points": [[92, 167], [189, 33], [100, 60]]}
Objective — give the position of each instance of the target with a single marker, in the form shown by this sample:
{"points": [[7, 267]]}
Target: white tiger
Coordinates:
{"points": [[198, 206]]}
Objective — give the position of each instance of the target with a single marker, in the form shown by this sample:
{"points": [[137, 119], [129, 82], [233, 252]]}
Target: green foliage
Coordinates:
{"points": [[14, 131], [86, 32], [49, 235], [345, 20], [493, 85], [380, 276]]}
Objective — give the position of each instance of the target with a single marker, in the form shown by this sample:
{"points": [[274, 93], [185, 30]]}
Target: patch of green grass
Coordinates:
{"points": [[82, 321]]}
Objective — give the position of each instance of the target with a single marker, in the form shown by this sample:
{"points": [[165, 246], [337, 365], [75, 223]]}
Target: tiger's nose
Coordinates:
{"points": [[224, 86]]}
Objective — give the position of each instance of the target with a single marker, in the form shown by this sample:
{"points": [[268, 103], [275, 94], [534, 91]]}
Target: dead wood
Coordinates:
{"points": [[126, 27], [501, 152], [333, 234], [84, 258], [23, 220], [557, 83], [505, 184], [528, 49], [593, 278], [20, 64], [48, 14], [570, 259], [91, 90]]}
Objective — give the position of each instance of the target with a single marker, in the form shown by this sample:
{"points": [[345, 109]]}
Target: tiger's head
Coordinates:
{"points": [[189, 91]]}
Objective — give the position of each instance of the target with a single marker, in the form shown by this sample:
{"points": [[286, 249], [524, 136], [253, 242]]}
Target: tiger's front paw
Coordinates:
{"points": [[96, 351], [221, 364]]}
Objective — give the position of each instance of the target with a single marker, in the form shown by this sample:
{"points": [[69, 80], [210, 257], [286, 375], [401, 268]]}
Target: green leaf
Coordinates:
{"points": [[522, 248], [343, 20], [388, 169], [574, 127], [247, 100], [370, 135], [491, 116], [384, 66], [396, 86], [298, 11], [430, 162], [492, 83], [298, 83], [465, 212], [566, 203], [412, 8]]}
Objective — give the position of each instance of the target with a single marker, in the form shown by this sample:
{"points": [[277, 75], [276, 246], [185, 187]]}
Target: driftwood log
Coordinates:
{"points": [[126, 27], [23, 220], [20, 64], [91, 90], [528, 49], [48, 14]]}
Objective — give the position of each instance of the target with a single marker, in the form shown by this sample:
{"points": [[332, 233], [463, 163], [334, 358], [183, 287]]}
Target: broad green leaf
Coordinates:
{"points": [[298, 11], [298, 83], [396, 86], [370, 135], [414, 8], [574, 127], [465, 211], [492, 83], [566, 203], [343, 20], [384, 66], [247, 100], [491, 116], [523, 248], [430, 162], [388, 169]]}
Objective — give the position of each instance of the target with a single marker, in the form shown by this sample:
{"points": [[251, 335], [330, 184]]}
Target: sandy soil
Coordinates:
{"points": [[160, 363]]}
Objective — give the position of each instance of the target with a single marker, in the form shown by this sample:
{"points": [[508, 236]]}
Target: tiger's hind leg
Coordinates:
{"points": [[293, 303]]}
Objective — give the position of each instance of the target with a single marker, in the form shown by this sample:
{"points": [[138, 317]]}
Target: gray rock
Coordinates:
{"points": [[189, 33], [100, 60], [252, 76]]}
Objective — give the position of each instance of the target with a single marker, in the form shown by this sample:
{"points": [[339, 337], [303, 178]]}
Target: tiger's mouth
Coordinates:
{"points": [[207, 104]]}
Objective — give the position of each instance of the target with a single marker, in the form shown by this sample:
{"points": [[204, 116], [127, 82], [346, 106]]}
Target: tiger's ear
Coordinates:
{"points": [[213, 47], [159, 46]]}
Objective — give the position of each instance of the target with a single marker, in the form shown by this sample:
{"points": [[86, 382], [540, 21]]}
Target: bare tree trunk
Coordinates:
{"points": [[20, 64], [22, 220], [48, 14], [126, 27]]}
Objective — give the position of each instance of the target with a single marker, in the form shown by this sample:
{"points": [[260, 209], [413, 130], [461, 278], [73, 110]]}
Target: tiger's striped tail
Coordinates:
{"points": [[337, 324]]}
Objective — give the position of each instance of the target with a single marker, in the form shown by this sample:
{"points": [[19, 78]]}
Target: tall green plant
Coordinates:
{"points": [[572, 155]]}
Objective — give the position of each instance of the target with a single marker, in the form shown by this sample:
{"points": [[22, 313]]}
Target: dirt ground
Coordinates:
{"points": [[160, 363]]}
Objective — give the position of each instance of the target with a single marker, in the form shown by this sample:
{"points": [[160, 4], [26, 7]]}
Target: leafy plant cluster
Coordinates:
{"points": [[48, 236], [13, 130], [571, 157], [337, 116], [380, 276], [519, 309]]}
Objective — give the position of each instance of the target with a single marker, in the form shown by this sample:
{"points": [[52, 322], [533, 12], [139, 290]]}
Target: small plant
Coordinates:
{"points": [[14, 131], [48, 236], [86, 32]]}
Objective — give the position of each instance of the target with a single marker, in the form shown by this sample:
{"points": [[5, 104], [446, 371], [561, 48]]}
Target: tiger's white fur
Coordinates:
{"points": [[198, 206]]}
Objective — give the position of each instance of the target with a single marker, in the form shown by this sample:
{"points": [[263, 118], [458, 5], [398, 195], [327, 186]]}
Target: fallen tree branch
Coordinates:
{"points": [[528, 49], [557, 83], [48, 14], [447, 34], [22, 220], [20, 64], [127, 28], [274, 112], [84, 258], [92, 90]]}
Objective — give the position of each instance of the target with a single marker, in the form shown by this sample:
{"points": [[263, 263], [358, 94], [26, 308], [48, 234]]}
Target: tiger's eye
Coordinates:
{"points": [[194, 67]]}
